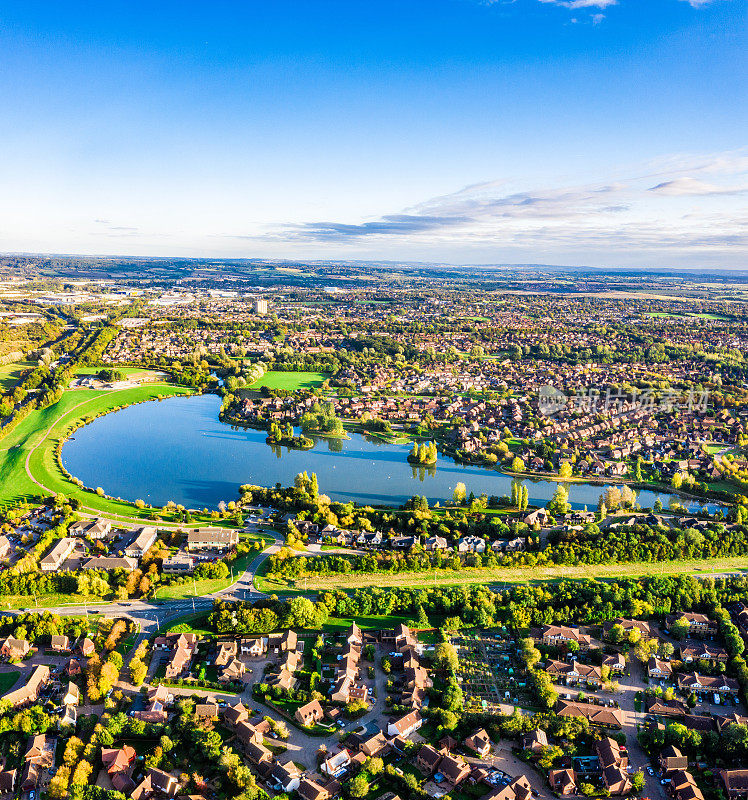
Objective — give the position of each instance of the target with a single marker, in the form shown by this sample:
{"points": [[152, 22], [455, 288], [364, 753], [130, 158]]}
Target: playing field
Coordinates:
{"points": [[290, 381], [10, 373]]}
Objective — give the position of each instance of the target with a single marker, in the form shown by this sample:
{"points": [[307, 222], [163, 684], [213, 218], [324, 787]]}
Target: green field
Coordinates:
{"points": [[291, 381], [505, 575], [128, 372], [686, 315], [8, 681], [372, 623], [208, 585], [10, 373], [35, 438]]}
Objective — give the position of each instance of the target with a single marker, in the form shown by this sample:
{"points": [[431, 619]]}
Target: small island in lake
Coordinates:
{"points": [[284, 435], [424, 454]]}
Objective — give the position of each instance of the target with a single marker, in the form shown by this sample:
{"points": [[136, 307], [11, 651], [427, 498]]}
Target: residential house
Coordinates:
{"points": [[285, 777], [29, 693], [309, 714], [597, 715], [142, 542], [39, 756], [107, 563], [733, 782], [405, 725], [253, 647], [454, 769], [220, 539], [694, 651], [535, 742], [575, 672], [335, 763], [60, 643], [561, 635], [563, 781], [13, 648], [72, 695], [658, 669], [671, 759], [226, 653], [232, 672], [719, 684], [479, 742], [310, 790], [117, 759], [57, 555], [613, 763], [428, 759], [698, 624]]}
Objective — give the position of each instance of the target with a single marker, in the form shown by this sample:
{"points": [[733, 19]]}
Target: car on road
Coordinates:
{"points": [[650, 771]]}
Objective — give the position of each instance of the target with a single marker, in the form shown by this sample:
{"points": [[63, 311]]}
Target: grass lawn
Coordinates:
{"points": [[128, 372], [15, 601], [35, 438], [499, 575], [190, 623], [208, 585], [37, 435], [8, 681], [10, 373], [370, 623], [290, 380]]}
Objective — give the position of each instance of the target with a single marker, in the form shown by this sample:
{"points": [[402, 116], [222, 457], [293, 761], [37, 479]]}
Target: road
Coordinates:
{"points": [[152, 615]]}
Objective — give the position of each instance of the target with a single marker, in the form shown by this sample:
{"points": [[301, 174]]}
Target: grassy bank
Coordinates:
{"points": [[35, 438]]}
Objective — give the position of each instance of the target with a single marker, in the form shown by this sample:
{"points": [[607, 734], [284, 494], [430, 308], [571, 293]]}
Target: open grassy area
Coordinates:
{"points": [[7, 681], [36, 436], [190, 623], [128, 372], [28, 601], [290, 381], [370, 623], [10, 373], [499, 575], [207, 586]]}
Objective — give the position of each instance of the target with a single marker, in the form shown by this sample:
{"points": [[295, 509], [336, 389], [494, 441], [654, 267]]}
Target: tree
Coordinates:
{"points": [[518, 465], [637, 781], [460, 493], [680, 628], [358, 787], [564, 470], [559, 503], [374, 766], [452, 698], [445, 657]]}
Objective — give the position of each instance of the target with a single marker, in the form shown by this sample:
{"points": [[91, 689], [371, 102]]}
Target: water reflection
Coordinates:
{"points": [[179, 450]]}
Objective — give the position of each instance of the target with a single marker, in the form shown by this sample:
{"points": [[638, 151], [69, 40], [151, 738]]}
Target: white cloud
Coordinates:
{"points": [[575, 4], [618, 217], [699, 3], [691, 187]]}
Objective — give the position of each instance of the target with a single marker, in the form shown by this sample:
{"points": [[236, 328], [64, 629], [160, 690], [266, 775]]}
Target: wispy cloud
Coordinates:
{"points": [[645, 210], [576, 4], [691, 187], [700, 3]]}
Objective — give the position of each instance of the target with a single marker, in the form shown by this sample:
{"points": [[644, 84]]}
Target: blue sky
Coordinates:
{"points": [[555, 131]]}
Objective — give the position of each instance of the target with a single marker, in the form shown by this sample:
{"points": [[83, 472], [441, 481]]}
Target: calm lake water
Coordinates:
{"points": [[177, 449]]}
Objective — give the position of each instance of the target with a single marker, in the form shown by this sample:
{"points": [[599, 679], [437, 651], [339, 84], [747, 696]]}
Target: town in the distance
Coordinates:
{"points": [[326, 530]]}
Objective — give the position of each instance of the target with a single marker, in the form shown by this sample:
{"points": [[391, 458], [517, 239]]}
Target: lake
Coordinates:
{"points": [[177, 449]]}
